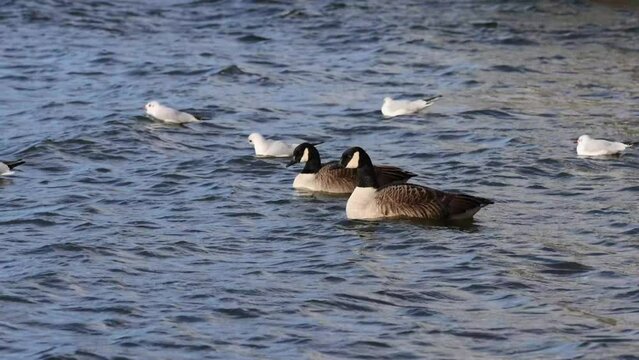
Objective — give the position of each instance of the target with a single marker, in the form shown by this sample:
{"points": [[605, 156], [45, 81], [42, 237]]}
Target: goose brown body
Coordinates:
{"points": [[416, 201], [371, 201]]}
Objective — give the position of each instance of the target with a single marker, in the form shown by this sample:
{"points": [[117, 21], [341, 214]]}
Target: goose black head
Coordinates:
{"points": [[354, 158], [305, 152], [357, 158]]}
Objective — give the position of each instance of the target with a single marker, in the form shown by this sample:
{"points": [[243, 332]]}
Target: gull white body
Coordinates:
{"points": [[272, 148], [392, 108], [362, 205], [167, 114], [587, 146]]}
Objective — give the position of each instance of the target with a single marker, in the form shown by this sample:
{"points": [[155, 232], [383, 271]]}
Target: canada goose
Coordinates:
{"points": [[392, 108], [274, 148], [333, 178], [587, 146], [167, 114], [7, 166], [370, 201]]}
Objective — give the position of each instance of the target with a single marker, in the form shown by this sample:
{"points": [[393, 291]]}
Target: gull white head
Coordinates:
{"points": [[151, 105], [583, 138], [255, 138], [387, 100]]}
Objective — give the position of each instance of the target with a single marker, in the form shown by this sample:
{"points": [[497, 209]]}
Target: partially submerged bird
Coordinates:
{"points": [[6, 167], [371, 201], [332, 177], [587, 146], [167, 114], [392, 108], [273, 148]]}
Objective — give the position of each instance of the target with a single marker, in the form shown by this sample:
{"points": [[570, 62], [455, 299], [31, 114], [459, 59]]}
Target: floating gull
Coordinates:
{"points": [[7, 166], [167, 114], [272, 148], [392, 108], [587, 146], [332, 177], [370, 201]]}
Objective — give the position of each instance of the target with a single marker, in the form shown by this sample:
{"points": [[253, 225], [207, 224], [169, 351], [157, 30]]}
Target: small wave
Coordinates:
{"points": [[343, 305], [480, 335], [233, 70], [296, 14], [485, 24], [369, 343], [565, 268], [36, 222], [515, 40], [86, 73], [252, 38], [240, 313], [15, 299], [487, 112], [512, 69], [180, 72]]}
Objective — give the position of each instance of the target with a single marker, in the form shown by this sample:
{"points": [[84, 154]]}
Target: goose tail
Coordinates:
{"points": [[467, 204]]}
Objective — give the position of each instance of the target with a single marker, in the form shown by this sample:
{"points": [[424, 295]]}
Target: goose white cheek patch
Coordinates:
{"points": [[354, 163], [305, 156]]}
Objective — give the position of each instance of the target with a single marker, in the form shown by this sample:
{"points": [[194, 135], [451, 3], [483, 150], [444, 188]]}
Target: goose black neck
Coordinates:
{"points": [[366, 172], [314, 162]]}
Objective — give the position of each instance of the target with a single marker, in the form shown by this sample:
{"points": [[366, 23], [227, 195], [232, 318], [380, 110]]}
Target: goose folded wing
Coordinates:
{"points": [[409, 200], [390, 174], [337, 178]]}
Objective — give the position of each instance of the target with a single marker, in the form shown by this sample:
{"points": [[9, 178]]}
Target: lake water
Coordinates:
{"points": [[123, 238]]}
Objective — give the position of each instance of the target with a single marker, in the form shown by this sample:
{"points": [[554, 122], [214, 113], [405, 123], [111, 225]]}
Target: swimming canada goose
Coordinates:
{"points": [[333, 178], [370, 201], [587, 146], [392, 108], [7, 166], [271, 148], [167, 114]]}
